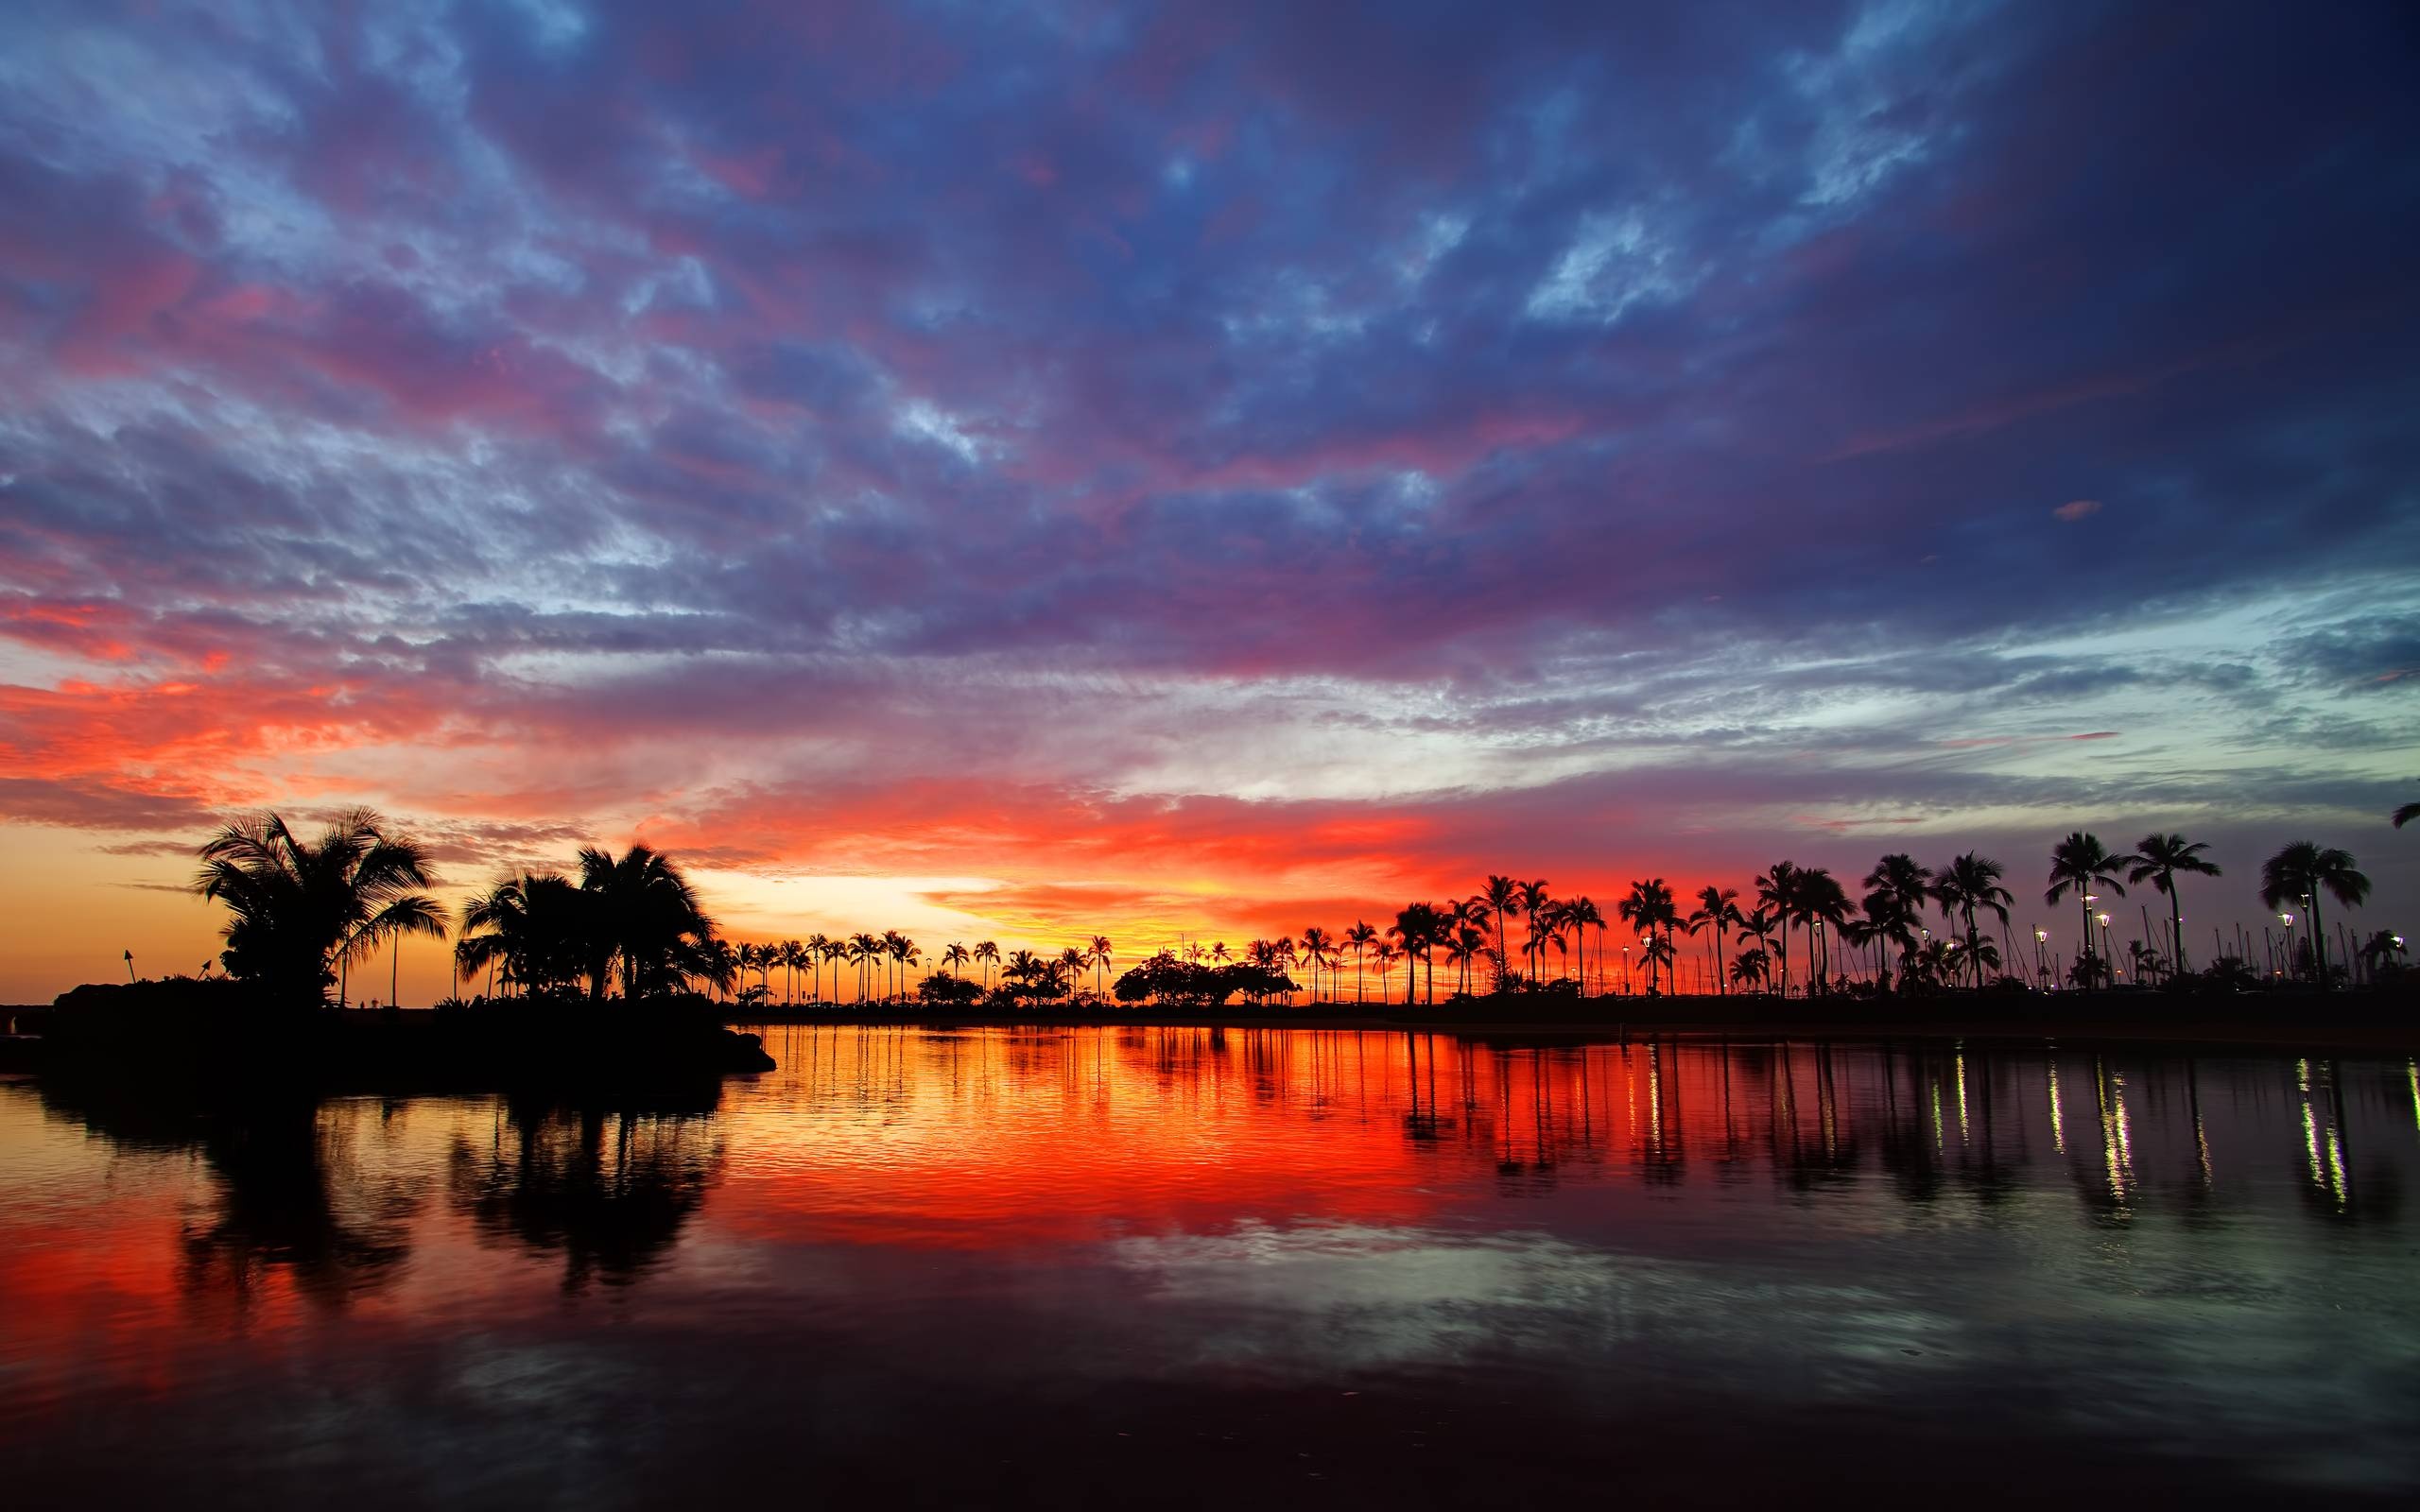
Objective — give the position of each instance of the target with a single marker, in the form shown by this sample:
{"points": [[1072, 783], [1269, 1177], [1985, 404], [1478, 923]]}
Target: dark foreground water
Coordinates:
{"points": [[1168, 1266]]}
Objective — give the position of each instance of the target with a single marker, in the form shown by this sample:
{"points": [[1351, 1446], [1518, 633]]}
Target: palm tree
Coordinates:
{"points": [[1532, 901], [1099, 955], [1319, 947], [834, 953], [533, 926], [1650, 905], [1383, 955], [1467, 944], [817, 949], [988, 954], [2406, 815], [794, 956], [1777, 890], [2303, 870], [2081, 864], [1717, 909], [645, 912], [865, 952], [301, 910], [1965, 884], [1418, 929], [2384, 948], [1581, 915], [1503, 895], [1072, 961], [1749, 970], [1821, 901], [1896, 891], [1360, 937], [2157, 859], [955, 958]]}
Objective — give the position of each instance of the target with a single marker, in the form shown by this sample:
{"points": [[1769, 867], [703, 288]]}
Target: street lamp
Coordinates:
{"points": [[2108, 962]]}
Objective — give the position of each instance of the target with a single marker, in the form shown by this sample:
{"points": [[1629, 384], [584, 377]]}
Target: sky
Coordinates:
{"points": [[1036, 471]]}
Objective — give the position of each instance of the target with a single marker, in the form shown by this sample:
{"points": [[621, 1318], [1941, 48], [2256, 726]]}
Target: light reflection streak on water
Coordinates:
{"points": [[2058, 1125], [1962, 1098], [2117, 1151], [2412, 1070]]}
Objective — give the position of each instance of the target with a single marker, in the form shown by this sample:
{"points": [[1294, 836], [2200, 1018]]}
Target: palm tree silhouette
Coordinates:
{"points": [[834, 953], [1383, 955], [1359, 936], [1469, 942], [1778, 890], [1649, 905], [794, 956], [2157, 859], [813, 952], [2080, 864], [1896, 891], [1581, 915], [1418, 929], [1821, 901], [1532, 900], [955, 958], [1318, 948], [1072, 961], [2406, 815], [1965, 884], [1503, 895], [1099, 955], [1717, 909], [646, 913], [988, 954], [1749, 970], [2303, 870], [300, 909]]}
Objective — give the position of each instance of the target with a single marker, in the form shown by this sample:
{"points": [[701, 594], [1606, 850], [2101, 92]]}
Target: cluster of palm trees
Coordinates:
{"points": [[301, 911], [304, 911]]}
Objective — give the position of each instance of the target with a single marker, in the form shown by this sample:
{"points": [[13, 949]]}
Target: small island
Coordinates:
{"points": [[607, 972]]}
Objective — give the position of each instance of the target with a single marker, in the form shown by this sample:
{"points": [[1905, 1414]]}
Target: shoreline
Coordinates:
{"points": [[2371, 1027]]}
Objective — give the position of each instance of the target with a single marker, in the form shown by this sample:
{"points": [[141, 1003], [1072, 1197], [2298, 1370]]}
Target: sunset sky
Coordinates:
{"points": [[1039, 471]]}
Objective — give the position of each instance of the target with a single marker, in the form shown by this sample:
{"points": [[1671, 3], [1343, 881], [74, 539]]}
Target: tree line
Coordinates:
{"points": [[302, 912]]}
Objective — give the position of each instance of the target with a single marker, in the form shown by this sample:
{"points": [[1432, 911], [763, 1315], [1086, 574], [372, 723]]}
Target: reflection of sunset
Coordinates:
{"points": [[1611, 1224]]}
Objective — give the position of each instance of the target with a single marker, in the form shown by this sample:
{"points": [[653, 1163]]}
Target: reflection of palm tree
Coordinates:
{"points": [[2157, 859], [2303, 870], [302, 909], [2082, 865], [612, 1205]]}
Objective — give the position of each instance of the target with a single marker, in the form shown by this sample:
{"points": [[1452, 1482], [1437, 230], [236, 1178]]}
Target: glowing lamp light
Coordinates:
{"points": [[2104, 920], [2287, 919], [2041, 936], [2092, 897]]}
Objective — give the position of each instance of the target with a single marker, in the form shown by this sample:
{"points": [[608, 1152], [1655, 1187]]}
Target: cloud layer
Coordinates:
{"points": [[1211, 452]]}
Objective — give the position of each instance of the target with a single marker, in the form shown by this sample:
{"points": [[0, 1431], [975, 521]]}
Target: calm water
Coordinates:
{"points": [[1168, 1266]]}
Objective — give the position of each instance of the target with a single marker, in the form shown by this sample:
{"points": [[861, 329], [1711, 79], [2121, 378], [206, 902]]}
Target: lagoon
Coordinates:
{"points": [[1177, 1265]]}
